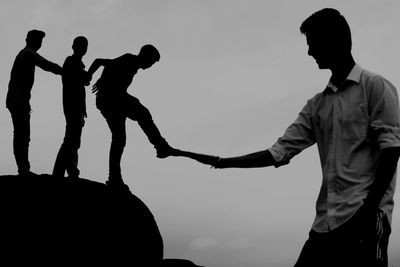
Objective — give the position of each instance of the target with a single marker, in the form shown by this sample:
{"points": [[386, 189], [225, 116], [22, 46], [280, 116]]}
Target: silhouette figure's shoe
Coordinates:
{"points": [[118, 185], [73, 177], [166, 151], [27, 173]]}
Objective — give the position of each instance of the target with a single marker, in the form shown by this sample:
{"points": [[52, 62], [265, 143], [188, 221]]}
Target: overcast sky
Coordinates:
{"points": [[232, 76]]}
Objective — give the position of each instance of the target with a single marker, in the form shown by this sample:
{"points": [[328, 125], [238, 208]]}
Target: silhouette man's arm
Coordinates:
{"points": [[383, 177], [46, 65], [254, 160], [97, 63]]}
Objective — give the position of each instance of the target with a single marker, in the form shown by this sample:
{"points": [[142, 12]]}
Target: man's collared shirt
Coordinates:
{"points": [[350, 125]]}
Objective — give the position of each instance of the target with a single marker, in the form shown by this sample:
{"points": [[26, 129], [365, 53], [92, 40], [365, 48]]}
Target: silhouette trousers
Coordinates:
{"points": [[22, 130], [345, 246], [116, 112], [67, 157]]}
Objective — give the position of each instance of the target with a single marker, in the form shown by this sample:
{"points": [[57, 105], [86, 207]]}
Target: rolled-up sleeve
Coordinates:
{"points": [[297, 137], [385, 113]]}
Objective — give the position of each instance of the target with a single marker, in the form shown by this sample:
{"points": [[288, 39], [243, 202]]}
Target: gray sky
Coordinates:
{"points": [[232, 76]]}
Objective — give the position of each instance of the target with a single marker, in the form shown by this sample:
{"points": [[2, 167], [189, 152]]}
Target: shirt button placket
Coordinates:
{"points": [[333, 171]]}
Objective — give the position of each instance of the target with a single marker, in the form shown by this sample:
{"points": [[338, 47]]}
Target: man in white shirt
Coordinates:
{"points": [[355, 122]]}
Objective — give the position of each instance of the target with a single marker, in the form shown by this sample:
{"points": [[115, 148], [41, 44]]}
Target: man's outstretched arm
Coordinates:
{"points": [[47, 65], [97, 63], [254, 160]]}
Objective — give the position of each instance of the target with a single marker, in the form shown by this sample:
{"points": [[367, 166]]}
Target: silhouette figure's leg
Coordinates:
{"points": [[136, 111], [313, 252], [21, 123], [67, 158], [60, 164], [75, 132], [116, 122]]}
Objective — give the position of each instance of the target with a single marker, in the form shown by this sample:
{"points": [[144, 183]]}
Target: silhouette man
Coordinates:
{"points": [[19, 94], [74, 79], [116, 105], [355, 122]]}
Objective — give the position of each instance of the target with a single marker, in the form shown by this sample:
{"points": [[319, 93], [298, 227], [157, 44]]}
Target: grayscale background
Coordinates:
{"points": [[232, 76]]}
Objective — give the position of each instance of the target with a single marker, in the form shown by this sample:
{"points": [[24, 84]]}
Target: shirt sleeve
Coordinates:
{"points": [[385, 113], [46, 65], [297, 137]]}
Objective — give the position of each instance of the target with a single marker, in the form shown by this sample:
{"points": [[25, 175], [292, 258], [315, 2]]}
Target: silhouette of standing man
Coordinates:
{"points": [[355, 122], [74, 79], [116, 105], [19, 95]]}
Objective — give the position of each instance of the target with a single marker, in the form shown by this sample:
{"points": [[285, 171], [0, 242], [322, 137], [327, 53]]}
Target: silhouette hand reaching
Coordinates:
{"points": [[202, 158]]}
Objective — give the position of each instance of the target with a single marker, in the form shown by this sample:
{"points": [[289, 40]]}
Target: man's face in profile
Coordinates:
{"points": [[148, 62], [322, 49], [36, 44], [81, 49]]}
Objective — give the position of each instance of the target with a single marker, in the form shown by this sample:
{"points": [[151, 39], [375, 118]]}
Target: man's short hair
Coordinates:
{"points": [[150, 51], [34, 35], [328, 23]]}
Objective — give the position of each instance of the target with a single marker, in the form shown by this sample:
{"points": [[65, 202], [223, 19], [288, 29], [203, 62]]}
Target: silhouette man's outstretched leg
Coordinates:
{"points": [[21, 122], [136, 111]]}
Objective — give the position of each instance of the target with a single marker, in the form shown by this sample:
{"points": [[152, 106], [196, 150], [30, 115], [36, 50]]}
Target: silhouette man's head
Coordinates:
{"points": [[328, 37], [80, 46], [148, 55], [34, 39]]}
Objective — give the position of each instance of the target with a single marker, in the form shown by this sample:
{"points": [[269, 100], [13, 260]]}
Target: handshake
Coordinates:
{"points": [[214, 161]]}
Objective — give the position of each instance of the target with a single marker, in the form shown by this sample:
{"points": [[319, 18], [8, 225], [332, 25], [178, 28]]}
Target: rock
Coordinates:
{"points": [[53, 221]]}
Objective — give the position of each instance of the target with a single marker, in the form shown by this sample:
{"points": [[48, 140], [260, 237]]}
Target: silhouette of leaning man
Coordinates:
{"points": [[74, 79], [19, 95], [355, 122], [117, 105]]}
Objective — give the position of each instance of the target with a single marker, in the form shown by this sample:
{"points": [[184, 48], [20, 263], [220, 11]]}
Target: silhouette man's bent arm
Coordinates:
{"points": [[384, 174], [97, 63]]}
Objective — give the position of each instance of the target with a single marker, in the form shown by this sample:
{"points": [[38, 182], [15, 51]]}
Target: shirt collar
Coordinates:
{"points": [[354, 75]]}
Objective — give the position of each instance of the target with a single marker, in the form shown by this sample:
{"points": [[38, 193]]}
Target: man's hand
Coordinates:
{"points": [[95, 89], [202, 158], [88, 79]]}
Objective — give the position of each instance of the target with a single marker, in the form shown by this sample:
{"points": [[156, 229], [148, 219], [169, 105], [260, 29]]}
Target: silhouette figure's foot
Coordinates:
{"points": [[27, 173], [118, 185]]}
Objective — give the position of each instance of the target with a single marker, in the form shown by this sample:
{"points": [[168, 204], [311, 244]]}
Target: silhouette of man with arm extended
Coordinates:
{"points": [[19, 94], [116, 105], [355, 122], [74, 79]]}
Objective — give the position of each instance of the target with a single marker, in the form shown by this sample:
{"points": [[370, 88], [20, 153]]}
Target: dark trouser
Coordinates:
{"points": [[67, 157], [115, 115], [345, 246], [22, 131]]}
